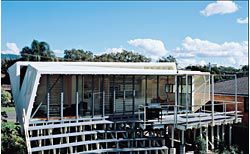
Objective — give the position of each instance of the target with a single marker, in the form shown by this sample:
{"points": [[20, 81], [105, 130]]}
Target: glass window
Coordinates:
{"points": [[152, 89], [140, 89]]}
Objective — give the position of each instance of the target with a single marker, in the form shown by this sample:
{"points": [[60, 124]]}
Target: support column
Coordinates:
{"points": [[172, 136], [206, 132], [182, 146], [194, 134], [212, 137], [230, 135], [201, 132], [218, 135], [223, 133]]}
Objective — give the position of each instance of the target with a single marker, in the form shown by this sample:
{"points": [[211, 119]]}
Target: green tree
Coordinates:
{"points": [[124, 56], [39, 51], [78, 55], [11, 140], [167, 59]]}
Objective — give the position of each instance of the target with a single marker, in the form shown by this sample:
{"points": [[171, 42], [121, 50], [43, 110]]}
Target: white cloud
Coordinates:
{"points": [[12, 49], [242, 21], [154, 48], [220, 7], [114, 50], [234, 53], [58, 52]]}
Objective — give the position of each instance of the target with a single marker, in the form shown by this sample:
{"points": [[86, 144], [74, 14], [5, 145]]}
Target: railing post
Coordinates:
{"points": [[235, 99], [77, 97], [61, 105], [186, 100], [103, 103], [62, 97], [212, 100], [176, 100], [48, 97], [114, 101]]}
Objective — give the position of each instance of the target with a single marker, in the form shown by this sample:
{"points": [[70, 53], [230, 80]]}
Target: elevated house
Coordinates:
{"points": [[103, 107]]}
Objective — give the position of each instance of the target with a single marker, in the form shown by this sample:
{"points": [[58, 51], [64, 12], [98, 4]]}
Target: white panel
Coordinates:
{"points": [[15, 80], [27, 93]]}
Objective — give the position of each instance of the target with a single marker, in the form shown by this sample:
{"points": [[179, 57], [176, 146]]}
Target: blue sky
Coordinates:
{"points": [[219, 34]]}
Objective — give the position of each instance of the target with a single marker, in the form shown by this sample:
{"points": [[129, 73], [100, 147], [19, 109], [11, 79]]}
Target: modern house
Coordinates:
{"points": [[104, 107]]}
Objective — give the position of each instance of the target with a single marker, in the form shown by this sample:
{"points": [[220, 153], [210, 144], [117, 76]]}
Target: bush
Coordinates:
{"points": [[12, 141], [224, 149], [200, 145], [5, 96]]}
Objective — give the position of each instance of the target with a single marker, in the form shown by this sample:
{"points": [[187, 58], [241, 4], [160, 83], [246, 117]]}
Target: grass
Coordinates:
{"points": [[8, 109]]}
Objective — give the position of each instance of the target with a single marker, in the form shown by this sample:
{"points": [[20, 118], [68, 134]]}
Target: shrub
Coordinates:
{"points": [[5, 96], [12, 141], [224, 149], [200, 145]]}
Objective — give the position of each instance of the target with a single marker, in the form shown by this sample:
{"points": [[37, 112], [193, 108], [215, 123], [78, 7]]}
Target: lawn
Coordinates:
{"points": [[8, 109]]}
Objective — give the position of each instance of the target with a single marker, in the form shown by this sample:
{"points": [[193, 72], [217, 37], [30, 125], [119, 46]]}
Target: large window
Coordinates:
{"points": [[152, 89], [140, 91], [184, 90], [118, 87]]}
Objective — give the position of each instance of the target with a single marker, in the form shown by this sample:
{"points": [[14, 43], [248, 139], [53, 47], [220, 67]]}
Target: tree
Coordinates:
{"points": [[39, 51], [124, 56], [167, 59], [78, 55]]}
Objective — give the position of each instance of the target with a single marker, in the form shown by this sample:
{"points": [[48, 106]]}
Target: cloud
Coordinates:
{"points": [[114, 50], [150, 47], [12, 49], [242, 21], [220, 7], [227, 53], [58, 52]]}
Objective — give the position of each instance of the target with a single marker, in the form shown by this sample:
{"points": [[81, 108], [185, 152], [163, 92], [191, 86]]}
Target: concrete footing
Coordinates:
{"points": [[172, 151], [182, 149]]}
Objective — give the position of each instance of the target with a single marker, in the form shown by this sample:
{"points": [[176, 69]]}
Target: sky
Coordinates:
{"points": [[193, 32]]}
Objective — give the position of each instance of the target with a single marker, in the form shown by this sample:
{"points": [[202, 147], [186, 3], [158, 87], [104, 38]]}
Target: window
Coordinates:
{"points": [[169, 88]]}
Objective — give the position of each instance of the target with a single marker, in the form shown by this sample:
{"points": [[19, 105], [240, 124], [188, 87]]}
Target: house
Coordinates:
{"points": [[104, 107], [225, 92]]}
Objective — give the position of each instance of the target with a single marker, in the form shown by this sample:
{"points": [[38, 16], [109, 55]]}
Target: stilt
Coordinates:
{"points": [[201, 132], [230, 135], [194, 134], [223, 133], [206, 132], [218, 135], [182, 146], [172, 136], [212, 137]]}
